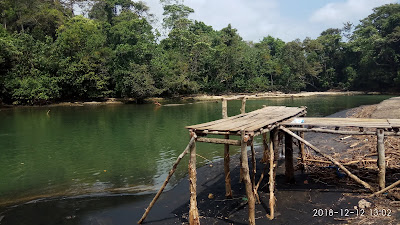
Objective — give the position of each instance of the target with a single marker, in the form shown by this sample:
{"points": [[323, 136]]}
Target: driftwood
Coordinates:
{"points": [[228, 189], [193, 211], [171, 172], [247, 182], [354, 177], [385, 189], [381, 158], [274, 136]]}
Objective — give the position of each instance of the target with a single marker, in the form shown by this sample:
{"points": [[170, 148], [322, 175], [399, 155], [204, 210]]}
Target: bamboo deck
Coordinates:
{"points": [[275, 119], [251, 122], [344, 122]]}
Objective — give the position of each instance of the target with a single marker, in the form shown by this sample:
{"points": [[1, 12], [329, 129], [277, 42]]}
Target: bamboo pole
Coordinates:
{"points": [[171, 172], [289, 168], [381, 158], [385, 189], [343, 132], [243, 108], [246, 178], [228, 189], [302, 152], [253, 164], [224, 108], [272, 164], [193, 211], [219, 141], [354, 177], [276, 141], [265, 148]]}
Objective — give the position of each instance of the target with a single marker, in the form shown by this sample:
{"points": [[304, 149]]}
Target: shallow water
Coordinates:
{"points": [[115, 148]]}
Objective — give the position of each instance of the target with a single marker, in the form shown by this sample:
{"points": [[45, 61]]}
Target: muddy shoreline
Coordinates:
{"points": [[196, 97]]}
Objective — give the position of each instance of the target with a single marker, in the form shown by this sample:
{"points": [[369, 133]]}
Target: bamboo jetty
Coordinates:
{"points": [[270, 122]]}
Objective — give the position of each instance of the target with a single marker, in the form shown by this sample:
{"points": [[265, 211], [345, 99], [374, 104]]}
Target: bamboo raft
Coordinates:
{"points": [[272, 120]]}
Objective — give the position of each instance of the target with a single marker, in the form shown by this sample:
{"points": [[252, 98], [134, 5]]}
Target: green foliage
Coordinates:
{"points": [[376, 40], [47, 54], [83, 57], [34, 90], [137, 82]]}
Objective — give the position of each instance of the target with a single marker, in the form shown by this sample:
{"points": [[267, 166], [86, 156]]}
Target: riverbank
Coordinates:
{"points": [[198, 97]]}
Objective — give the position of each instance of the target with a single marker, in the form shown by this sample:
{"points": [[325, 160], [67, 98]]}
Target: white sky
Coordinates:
{"points": [[284, 19]]}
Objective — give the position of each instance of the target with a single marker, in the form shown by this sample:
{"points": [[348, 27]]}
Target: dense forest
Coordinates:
{"points": [[49, 53]]}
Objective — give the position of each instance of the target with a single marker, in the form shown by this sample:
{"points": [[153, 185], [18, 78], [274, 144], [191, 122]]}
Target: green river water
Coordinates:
{"points": [[115, 148]]}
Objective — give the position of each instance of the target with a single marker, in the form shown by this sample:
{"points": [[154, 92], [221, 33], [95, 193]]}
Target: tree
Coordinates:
{"points": [[376, 40], [174, 11], [83, 54]]}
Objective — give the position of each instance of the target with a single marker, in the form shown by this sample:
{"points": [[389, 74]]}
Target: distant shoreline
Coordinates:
{"points": [[197, 97]]}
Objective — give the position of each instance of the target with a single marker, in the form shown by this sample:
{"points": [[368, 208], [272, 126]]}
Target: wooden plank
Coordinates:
{"points": [[341, 122], [264, 120], [395, 123], [220, 124], [262, 123], [252, 121], [215, 122]]}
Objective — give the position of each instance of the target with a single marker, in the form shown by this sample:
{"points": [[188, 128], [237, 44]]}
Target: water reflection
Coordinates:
{"points": [[116, 148]]}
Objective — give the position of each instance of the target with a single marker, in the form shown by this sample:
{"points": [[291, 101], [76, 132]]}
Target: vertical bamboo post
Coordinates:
{"points": [[265, 148], [243, 109], [302, 152], [289, 169], [228, 189], [246, 177], [193, 211], [275, 142], [381, 158], [272, 164], [224, 108], [253, 164]]}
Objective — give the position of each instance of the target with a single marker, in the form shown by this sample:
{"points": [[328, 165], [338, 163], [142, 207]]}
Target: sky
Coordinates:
{"points": [[284, 19]]}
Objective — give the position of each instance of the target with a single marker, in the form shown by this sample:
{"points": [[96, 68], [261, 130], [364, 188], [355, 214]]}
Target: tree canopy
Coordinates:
{"points": [[48, 53]]}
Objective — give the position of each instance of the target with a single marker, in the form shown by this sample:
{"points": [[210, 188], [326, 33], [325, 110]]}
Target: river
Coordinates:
{"points": [[108, 149]]}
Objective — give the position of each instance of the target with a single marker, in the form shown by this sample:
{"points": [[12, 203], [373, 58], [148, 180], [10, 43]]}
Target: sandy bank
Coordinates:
{"points": [[262, 95]]}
